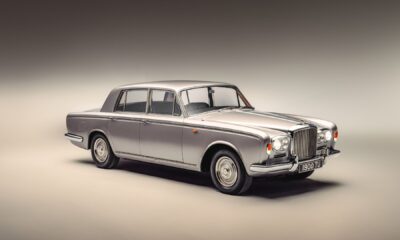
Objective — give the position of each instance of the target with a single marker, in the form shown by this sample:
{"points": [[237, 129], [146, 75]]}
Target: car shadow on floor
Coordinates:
{"points": [[271, 188]]}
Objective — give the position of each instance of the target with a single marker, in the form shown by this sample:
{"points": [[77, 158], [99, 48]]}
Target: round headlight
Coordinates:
{"points": [[277, 144], [280, 143], [328, 136]]}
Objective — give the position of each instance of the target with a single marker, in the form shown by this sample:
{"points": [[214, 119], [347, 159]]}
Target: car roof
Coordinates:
{"points": [[177, 85]]}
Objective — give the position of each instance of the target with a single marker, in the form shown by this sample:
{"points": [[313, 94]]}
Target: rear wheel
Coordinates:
{"points": [[102, 153], [228, 173]]}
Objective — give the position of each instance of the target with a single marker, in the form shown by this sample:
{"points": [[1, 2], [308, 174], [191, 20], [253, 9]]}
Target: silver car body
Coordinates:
{"points": [[186, 141]]}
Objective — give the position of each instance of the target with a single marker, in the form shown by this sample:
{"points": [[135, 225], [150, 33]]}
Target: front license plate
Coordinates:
{"points": [[309, 166]]}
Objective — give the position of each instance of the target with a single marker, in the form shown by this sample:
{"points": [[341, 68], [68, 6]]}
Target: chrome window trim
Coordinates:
{"points": [[150, 94], [126, 95], [183, 112]]}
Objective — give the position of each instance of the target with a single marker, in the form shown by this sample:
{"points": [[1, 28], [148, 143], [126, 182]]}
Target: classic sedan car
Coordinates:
{"points": [[202, 126]]}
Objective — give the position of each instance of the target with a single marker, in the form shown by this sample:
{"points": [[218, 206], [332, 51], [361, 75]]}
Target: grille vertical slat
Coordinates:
{"points": [[305, 143]]}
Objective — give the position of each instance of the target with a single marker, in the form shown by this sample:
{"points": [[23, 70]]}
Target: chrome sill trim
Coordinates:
{"points": [[73, 137], [155, 159], [291, 167]]}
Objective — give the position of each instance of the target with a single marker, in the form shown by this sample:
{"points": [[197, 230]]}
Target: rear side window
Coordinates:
{"points": [[163, 102], [133, 101]]}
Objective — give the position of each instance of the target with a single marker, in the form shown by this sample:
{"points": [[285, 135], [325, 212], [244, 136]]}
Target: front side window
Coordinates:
{"points": [[164, 102], [196, 100], [225, 97], [205, 99], [133, 101]]}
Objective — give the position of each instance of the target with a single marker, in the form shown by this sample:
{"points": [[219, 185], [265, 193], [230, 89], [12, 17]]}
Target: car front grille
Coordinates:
{"points": [[305, 143]]}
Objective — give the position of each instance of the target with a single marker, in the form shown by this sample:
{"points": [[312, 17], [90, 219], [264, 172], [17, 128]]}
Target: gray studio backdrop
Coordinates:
{"points": [[339, 61]]}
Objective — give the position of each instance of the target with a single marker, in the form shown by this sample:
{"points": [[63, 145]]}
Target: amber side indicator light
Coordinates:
{"points": [[269, 148], [195, 131], [335, 135]]}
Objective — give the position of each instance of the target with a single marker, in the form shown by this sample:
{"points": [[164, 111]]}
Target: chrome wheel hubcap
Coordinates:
{"points": [[100, 150], [226, 171]]}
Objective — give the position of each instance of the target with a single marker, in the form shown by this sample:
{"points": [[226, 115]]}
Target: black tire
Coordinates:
{"points": [[299, 176], [109, 160], [242, 181]]}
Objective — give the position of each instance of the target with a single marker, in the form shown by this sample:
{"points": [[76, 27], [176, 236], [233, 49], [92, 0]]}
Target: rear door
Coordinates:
{"points": [[125, 125], [161, 130]]}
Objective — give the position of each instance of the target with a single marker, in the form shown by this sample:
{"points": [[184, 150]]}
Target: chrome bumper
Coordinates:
{"points": [[288, 167], [73, 137]]}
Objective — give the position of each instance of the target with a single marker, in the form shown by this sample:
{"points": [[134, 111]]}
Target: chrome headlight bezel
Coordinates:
{"points": [[280, 143]]}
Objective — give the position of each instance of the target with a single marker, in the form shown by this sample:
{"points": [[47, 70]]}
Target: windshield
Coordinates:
{"points": [[204, 99]]}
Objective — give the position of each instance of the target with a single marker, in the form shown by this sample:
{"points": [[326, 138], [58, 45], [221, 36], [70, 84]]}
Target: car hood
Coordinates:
{"points": [[256, 119]]}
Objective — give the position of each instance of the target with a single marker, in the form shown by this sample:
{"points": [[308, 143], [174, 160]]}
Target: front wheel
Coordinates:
{"points": [[228, 173], [102, 153]]}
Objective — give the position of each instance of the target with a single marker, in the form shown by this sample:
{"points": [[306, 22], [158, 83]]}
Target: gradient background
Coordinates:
{"points": [[338, 61]]}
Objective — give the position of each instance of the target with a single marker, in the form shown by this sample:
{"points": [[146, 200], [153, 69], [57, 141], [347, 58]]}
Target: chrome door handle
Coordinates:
{"points": [[145, 122]]}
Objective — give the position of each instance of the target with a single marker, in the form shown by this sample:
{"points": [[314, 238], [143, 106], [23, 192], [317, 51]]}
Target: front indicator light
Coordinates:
{"points": [[269, 148], [335, 136]]}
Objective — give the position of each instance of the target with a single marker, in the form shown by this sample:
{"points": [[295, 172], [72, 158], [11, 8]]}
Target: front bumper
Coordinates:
{"points": [[261, 169]]}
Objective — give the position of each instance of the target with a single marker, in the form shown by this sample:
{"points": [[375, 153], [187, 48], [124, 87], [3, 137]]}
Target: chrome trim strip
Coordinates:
{"points": [[171, 123], [73, 137], [125, 119], [155, 159]]}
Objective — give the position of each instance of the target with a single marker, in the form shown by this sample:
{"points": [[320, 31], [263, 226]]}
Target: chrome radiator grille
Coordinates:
{"points": [[305, 143]]}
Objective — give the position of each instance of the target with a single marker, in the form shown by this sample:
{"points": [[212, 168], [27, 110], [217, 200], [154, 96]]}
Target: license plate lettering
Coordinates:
{"points": [[309, 166]]}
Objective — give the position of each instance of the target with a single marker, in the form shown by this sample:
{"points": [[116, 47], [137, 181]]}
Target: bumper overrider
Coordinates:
{"points": [[262, 169]]}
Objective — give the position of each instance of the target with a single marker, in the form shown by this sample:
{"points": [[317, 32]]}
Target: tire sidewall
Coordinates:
{"points": [[235, 189], [110, 157]]}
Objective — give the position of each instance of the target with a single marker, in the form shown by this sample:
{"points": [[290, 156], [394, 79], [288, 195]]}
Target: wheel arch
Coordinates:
{"points": [[92, 134], [213, 148]]}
